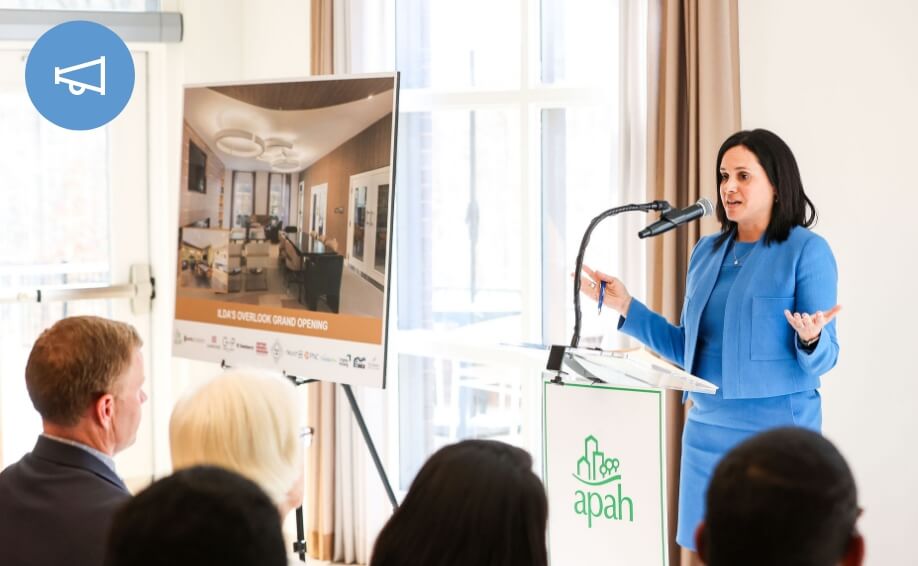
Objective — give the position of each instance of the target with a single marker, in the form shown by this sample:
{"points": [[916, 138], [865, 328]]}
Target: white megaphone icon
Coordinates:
{"points": [[77, 88]]}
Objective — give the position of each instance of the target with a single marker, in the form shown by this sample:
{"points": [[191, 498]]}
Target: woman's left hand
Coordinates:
{"points": [[809, 326]]}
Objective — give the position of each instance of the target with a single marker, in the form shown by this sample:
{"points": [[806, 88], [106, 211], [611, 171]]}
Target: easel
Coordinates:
{"points": [[299, 545]]}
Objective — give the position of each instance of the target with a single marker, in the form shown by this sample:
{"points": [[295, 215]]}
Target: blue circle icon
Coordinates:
{"points": [[80, 75]]}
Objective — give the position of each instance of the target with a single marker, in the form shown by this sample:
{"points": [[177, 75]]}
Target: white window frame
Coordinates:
{"points": [[529, 100], [133, 225]]}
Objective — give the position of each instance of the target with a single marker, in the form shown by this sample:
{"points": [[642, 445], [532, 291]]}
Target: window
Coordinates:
{"points": [[243, 197], [509, 144], [279, 195], [56, 214], [70, 220]]}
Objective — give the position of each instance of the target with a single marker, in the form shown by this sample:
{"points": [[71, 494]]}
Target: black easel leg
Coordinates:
{"points": [[299, 546], [372, 447]]}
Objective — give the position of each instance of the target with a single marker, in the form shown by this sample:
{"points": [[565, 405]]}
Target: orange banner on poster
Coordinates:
{"points": [[289, 321]]}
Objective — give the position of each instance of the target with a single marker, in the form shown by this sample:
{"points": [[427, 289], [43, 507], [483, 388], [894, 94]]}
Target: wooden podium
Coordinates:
{"points": [[604, 462]]}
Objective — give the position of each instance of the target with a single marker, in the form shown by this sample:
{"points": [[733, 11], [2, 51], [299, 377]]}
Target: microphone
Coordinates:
{"points": [[675, 217]]}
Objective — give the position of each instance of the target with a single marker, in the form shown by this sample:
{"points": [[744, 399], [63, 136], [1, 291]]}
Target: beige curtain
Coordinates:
{"points": [[350, 541], [322, 37], [320, 458], [320, 463], [696, 96]]}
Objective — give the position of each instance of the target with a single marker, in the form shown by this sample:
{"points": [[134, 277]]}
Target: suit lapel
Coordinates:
{"points": [[705, 275], [707, 278]]}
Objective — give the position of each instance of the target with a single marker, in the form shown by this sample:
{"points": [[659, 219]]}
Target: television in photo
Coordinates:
{"points": [[285, 216]]}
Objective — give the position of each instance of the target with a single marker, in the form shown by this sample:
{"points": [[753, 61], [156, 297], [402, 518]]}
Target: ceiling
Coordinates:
{"points": [[314, 132], [307, 95]]}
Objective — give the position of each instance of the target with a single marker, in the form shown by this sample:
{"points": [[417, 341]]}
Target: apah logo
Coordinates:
{"points": [[277, 350], [600, 474], [261, 348]]}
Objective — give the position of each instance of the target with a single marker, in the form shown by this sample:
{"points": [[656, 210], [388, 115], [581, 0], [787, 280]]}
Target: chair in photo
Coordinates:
{"points": [[294, 263], [257, 232], [282, 255], [234, 267], [257, 260], [273, 229], [237, 234], [323, 278], [234, 250]]}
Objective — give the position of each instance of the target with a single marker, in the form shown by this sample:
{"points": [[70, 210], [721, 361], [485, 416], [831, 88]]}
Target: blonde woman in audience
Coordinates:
{"points": [[248, 423]]}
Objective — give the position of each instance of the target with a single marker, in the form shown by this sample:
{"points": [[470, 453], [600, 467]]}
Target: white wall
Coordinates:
{"points": [[236, 40], [837, 81]]}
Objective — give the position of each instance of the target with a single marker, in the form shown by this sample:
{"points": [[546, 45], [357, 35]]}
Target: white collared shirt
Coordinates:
{"points": [[102, 456]]}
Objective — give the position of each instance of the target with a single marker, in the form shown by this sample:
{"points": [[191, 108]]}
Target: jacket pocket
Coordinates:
{"points": [[772, 335]]}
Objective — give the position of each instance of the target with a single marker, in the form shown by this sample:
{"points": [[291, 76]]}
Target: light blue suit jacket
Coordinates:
{"points": [[761, 355]]}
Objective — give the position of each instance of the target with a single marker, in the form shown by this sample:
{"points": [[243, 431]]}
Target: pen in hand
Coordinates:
{"points": [[602, 295]]}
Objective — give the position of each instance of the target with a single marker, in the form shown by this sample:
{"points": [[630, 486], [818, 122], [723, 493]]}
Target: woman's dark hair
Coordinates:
{"points": [[476, 502], [792, 207]]}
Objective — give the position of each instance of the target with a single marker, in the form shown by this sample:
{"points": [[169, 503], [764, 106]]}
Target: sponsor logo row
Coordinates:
{"points": [[275, 350]]}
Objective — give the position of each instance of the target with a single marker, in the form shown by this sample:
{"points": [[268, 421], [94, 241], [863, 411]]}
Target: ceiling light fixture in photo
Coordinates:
{"points": [[240, 143]]}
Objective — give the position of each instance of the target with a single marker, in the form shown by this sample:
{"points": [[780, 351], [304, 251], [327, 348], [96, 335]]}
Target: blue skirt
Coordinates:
{"points": [[715, 425]]}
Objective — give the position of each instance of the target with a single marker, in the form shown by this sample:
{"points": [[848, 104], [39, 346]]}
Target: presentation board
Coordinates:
{"points": [[286, 202]]}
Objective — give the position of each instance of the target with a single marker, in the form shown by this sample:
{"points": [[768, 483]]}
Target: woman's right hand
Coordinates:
{"points": [[616, 296]]}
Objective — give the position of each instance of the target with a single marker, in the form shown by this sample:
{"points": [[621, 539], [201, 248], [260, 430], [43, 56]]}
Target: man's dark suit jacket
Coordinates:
{"points": [[56, 506]]}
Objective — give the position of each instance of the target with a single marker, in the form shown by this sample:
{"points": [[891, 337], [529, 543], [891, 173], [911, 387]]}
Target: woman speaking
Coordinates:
{"points": [[758, 314]]}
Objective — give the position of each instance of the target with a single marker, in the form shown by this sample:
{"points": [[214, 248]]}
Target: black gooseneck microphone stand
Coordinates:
{"points": [[556, 355]]}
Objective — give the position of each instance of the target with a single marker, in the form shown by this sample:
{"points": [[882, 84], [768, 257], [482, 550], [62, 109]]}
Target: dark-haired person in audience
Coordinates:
{"points": [[199, 516], [784, 497], [476, 502], [85, 377]]}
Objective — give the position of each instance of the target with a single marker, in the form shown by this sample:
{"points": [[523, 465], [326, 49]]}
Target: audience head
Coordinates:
{"points": [[475, 502], [791, 206], [199, 516], [248, 423], [85, 377], [786, 497]]}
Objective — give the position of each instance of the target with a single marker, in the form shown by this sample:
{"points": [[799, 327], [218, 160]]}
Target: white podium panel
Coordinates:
{"points": [[604, 470]]}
